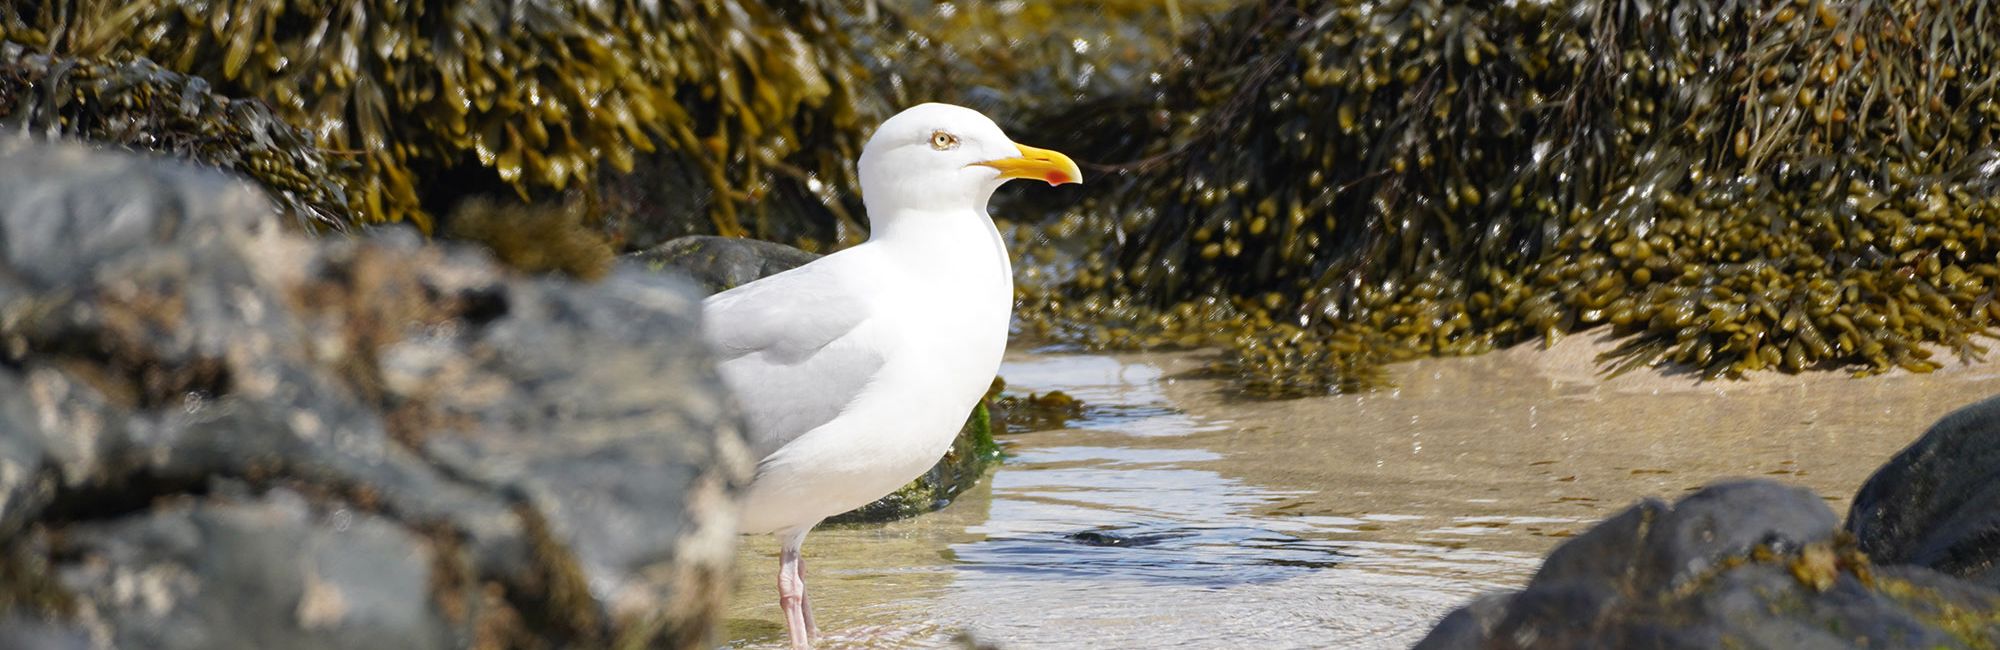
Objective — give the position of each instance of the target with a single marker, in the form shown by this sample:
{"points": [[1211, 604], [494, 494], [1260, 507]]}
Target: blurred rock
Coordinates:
{"points": [[723, 263], [216, 434], [1937, 503], [1749, 564]]}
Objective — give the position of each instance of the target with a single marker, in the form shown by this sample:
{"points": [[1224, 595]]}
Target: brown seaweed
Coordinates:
{"points": [[1733, 187], [544, 94]]}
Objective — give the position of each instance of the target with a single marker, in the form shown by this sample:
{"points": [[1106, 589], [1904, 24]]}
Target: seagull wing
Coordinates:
{"points": [[791, 347]]}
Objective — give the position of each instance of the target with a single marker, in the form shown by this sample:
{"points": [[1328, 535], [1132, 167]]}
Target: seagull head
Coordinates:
{"points": [[940, 157]]}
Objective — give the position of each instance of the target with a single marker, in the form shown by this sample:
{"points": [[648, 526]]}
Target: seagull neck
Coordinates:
{"points": [[952, 245], [938, 232]]}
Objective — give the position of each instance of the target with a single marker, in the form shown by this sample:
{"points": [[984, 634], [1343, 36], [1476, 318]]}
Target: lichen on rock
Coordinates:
{"points": [[408, 444]]}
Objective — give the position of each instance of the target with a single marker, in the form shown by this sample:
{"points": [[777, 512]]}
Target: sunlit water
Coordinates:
{"points": [[1172, 516]]}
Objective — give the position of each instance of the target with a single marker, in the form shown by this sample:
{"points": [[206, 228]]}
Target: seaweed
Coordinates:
{"points": [[1731, 187], [134, 103], [545, 95]]}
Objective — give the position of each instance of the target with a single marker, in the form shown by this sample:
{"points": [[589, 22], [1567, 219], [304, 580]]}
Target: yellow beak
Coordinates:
{"points": [[1039, 164]]}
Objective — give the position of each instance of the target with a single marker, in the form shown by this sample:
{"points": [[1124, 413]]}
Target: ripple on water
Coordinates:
{"points": [[1117, 396], [1103, 545], [1123, 531]]}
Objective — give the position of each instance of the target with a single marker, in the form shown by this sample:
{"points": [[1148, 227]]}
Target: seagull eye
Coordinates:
{"points": [[942, 141]]}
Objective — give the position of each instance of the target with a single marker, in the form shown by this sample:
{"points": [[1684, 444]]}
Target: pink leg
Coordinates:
{"points": [[812, 628], [792, 591]]}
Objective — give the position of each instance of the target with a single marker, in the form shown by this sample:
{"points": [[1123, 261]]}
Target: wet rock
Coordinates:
{"points": [[1937, 503], [971, 454], [1747, 564], [1033, 412], [723, 263], [215, 433], [1121, 539]]}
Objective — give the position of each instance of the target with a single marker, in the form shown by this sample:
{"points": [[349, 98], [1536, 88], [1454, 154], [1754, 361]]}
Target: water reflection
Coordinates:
{"points": [[1122, 531], [1118, 396], [1168, 516]]}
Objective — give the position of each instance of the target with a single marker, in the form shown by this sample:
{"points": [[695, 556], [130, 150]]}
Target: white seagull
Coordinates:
{"points": [[856, 371]]}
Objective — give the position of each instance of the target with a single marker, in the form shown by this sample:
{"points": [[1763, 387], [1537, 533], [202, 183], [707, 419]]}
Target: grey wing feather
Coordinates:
{"points": [[788, 347]]}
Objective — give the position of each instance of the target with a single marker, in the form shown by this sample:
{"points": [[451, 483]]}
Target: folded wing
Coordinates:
{"points": [[791, 347]]}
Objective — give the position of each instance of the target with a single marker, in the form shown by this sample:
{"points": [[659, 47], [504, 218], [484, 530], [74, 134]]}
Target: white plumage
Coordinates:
{"points": [[856, 371]]}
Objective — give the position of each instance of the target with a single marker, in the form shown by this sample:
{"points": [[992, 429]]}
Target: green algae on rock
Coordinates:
{"points": [[135, 103], [1735, 187], [542, 94], [971, 454], [539, 238]]}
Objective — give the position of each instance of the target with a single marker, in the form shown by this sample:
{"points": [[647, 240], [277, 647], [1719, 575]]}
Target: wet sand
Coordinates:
{"points": [[1172, 515]]}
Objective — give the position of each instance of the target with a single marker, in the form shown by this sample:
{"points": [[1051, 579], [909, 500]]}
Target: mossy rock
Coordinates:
{"points": [[532, 97], [1749, 564], [972, 453], [131, 102], [1327, 186]]}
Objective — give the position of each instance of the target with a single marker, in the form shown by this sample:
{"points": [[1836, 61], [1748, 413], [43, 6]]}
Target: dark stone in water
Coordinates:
{"points": [[1937, 503], [1117, 539], [217, 434], [1750, 564]]}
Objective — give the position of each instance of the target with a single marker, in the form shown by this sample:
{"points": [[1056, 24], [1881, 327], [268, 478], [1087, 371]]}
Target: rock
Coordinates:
{"points": [[1750, 564], [1937, 503], [278, 571], [723, 263], [1034, 412], [355, 443], [971, 453]]}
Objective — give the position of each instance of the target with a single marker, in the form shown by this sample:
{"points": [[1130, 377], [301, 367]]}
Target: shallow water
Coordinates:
{"points": [[1171, 515]]}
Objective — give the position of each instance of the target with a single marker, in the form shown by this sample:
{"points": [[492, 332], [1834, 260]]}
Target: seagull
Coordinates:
{"points": [[856, 371]]}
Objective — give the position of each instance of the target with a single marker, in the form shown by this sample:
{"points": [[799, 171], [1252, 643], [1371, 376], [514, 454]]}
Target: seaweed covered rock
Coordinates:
{"points": [[970, 455], [1751, 564], [215, 433], [1733, 187], [723, 263], [430, 98], [1937, 503], [134, 103]]}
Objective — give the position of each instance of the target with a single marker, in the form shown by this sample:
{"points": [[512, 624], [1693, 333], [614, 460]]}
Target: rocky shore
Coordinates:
{"points": [[1756, 564], [216, 433]]}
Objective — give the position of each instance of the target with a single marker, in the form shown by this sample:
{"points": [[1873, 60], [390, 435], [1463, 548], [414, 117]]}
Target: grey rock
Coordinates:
{"points": [[723, 263], [1656, 547], [188, 392], [271, 572], [1749, 564], [26, 632], [1936, 504]]}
